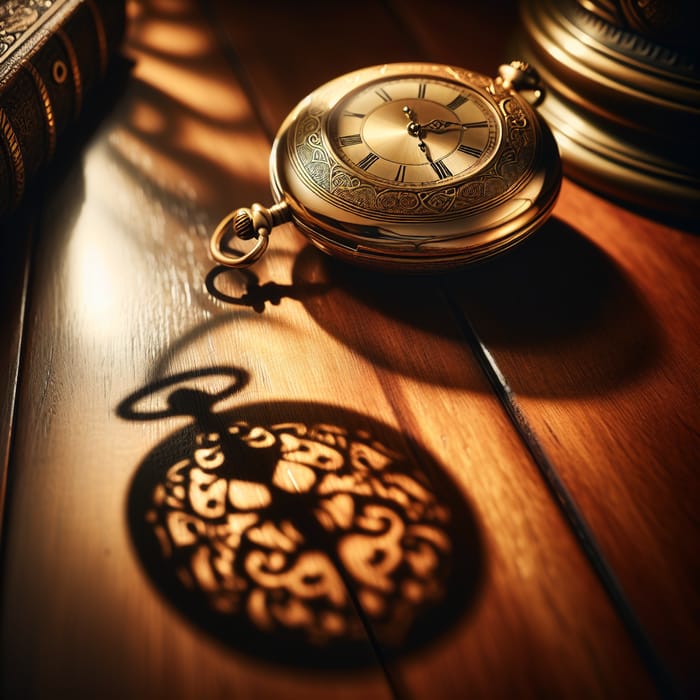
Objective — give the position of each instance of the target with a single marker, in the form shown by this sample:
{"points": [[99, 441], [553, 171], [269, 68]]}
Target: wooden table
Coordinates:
{"points": [[540, 411]]}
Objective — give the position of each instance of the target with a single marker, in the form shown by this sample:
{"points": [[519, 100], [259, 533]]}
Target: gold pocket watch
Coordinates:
{"points": [[408, 167]]}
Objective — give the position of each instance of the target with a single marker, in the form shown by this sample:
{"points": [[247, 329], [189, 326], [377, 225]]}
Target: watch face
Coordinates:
{"points": [[414, 131]]}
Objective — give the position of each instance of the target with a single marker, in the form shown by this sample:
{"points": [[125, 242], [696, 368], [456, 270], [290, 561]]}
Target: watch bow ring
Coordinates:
{"points": [[413, 167]]}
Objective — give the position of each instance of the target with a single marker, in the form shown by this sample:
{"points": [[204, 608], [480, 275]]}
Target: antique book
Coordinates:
{"points": [[52, 54]]}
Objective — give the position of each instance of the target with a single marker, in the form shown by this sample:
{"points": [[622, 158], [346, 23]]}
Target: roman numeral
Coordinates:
{"points": [[383, 94], [351, 140], [348, 113], [457, 102], [470, 150], [441, 170], [400, 173], [368, 160], [421, 91]]}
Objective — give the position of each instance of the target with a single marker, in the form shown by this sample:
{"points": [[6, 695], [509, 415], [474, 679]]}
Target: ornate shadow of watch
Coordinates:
{"points": [[409, 167]]}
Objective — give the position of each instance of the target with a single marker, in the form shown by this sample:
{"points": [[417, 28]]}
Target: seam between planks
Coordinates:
{"points": [[651, 659]]}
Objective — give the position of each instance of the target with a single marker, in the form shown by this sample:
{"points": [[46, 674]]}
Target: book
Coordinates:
{"points": [[52, 54]]}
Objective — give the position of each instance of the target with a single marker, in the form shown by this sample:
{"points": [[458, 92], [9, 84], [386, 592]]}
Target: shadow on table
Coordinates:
{"points": [[301, 533], [556, 307]]}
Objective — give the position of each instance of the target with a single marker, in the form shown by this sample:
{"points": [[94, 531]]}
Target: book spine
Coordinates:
{"points": [[47, 88]]}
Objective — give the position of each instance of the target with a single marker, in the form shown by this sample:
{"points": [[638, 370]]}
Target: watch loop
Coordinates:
{"points": [[246, 223], [523, 78]]}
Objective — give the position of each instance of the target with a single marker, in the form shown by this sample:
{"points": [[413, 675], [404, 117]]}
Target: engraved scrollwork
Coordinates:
{"points": [[363, 196], [520, 145], [478, 190], [311, 151], [398, 201], [309, 123], [341, 180], [514, 114], [440, 201]]}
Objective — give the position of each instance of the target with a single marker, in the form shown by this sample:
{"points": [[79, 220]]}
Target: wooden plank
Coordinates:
{"points": [[594, 327], [610, 394]]}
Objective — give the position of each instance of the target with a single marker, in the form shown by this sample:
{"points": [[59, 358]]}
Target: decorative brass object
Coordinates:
{"points": [[623, 95], [412, 167]]}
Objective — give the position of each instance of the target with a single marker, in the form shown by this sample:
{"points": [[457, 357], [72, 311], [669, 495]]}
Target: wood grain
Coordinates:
{"points": [[123, 297]]}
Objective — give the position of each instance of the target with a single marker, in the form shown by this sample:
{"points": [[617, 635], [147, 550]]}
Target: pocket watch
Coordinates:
{"points": [[408, 167]]}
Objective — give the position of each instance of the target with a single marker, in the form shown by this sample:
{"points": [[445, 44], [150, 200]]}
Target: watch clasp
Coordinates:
{"points": [[247, 223], [523, 78]]}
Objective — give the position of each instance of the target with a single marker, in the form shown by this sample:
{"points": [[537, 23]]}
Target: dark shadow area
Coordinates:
{"points": [[302, 534], [563, 312], [399, 322], [243, 288], [556, 302], [16, 234]]}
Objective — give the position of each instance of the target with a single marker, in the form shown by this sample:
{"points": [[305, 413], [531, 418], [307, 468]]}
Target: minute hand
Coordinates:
{"points": [[439, 126]]}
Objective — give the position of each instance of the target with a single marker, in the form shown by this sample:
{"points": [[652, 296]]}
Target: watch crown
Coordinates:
{"points": [[258, 220], [242, 224]]}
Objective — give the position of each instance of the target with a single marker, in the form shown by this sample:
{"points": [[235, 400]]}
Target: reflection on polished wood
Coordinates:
{"points": [[558, 382]]}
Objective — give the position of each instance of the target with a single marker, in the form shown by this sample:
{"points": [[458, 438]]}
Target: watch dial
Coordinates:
{"points": [[415, 131]]}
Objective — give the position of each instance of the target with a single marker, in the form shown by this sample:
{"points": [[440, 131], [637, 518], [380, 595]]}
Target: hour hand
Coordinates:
{"points": [[416, 130], [424, 147]]}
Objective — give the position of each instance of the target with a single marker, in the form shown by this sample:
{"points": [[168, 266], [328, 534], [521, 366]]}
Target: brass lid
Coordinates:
{"points": [[623, 107]]}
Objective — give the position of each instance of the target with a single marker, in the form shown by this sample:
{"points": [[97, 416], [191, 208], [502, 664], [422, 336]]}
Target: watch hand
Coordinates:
{"points": [[439, 126], [424, 147], [416, 130]]}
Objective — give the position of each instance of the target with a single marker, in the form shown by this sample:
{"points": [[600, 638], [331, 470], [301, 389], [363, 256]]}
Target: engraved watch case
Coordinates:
{"points": [[410, 167]]}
